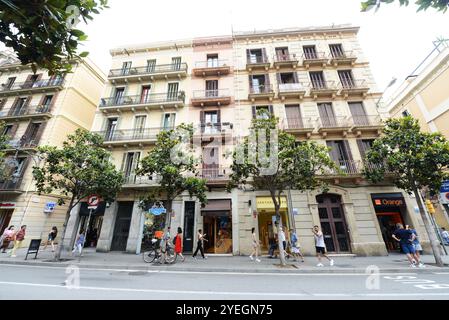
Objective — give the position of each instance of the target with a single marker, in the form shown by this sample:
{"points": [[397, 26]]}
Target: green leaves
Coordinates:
{"points": [[412, 158], [78, 169], [42, 31], [439, 5]]}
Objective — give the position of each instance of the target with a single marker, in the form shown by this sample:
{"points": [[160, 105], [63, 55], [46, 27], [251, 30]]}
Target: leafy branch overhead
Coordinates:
{"points": [[42, 32], [439, 5]]}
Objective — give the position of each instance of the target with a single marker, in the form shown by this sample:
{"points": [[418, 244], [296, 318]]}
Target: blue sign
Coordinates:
{"points": [[444, 186], [49, 207], [157, 210]]}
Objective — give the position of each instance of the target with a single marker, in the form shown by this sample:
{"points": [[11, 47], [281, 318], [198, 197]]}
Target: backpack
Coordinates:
{"points": [[174, 239]]}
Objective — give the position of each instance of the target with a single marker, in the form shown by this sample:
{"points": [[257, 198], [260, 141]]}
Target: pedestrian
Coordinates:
{"points": [[178, 244], [51, 238], [296, 250], [200, 244], [255, 245], [405, 238], [273, 242], [416, 244], [19, 236], [7, 237], [445, 236], [284, 242], [320, 246], [79, 243]]}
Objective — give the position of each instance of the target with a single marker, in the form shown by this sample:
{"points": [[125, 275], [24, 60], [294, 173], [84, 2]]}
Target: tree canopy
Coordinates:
{"points": [[439, 5], [42, 32]]}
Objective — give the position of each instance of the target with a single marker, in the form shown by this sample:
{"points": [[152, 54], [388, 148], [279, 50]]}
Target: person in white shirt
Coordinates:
{"points": [[255, 244], [445, 236], [320, 246], [284, 242]]}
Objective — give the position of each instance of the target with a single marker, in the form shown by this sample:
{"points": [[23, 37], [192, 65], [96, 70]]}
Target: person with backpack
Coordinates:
{"points": [[405, 237], [177, 241]]}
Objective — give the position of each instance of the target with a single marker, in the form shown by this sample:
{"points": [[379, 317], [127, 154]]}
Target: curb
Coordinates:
{"points": [[150, 267]]}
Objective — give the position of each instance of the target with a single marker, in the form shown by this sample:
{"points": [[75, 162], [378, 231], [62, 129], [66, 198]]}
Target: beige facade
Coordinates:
{"points": [[40, 110], [315, 80], [424, 96]]}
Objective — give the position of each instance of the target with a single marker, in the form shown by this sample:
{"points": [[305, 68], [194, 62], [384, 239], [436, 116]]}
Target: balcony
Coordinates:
{"points": [[209, 131], [366, 124], [133, 181], [218, 176], [211, 68], [299, 126], [148, 73], [346, 58], [139, 102], [23, 143], [257, 63], [11, 185], [219, 97], [353, 88], [317, 59], [291, 90], [29, 87], [28, 112], [347, 169], [323, 89], [130, 137], [328, 125], [261, 92], [285, 61]]}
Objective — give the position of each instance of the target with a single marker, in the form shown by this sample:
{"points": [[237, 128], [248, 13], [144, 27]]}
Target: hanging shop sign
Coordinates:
{"points": [[444, 192], [157, 209], [49, 207]]}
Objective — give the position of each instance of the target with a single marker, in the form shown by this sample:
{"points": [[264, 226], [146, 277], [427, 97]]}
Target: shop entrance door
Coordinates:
{"points": [[333, 223], [122, 224], [189, 221], [387, 222], [5, 218], [218, 231]]}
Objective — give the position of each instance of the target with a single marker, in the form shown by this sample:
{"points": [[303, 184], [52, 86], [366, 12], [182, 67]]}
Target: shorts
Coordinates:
{"points": [[417, 246], [254, 245], [408, 248], [321, 250]]}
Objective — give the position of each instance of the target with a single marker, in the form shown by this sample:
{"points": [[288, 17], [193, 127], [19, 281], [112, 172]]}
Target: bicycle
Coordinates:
{"points": [[155, 253]]}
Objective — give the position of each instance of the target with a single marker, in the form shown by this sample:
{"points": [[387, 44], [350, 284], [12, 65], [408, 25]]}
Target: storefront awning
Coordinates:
{"points": [[266, 203], [217, 207]]}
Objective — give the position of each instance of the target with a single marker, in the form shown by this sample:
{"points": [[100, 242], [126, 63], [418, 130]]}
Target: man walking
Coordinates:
{"points": [[405, 238], [320, 246]]}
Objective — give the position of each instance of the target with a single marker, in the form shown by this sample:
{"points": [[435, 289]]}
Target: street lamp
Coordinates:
{"points": [[392, 82]]}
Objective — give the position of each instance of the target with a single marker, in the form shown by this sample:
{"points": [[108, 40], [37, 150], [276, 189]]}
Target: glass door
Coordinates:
{"points": [[172, 92], [139, 127]]}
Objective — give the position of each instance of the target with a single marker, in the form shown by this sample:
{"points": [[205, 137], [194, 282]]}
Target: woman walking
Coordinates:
{"points": [[255, 244], [7, 237], [19, 236], [199, 244], [51, 238], [296, 251], [178, 244], [79, 243]]}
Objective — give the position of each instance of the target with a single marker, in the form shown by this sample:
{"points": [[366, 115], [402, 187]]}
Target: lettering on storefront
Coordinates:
{"points": [[388, 202]]}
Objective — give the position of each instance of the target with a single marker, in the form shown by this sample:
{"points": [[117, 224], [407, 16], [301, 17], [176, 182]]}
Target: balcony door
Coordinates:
{"points": [[210, 162], [317, 79], [111, 126], [336, 50], [341, 154], [310, 52], [212, 60], [19, 107], [211, 88], [126, 67], [172, 92], [10, 82], [139, 127], [346, 78], [333, 223], [210, 121], [293, 114], [32, 134], [358, 113], [327, 115], [145, 96], [255, 55], [151, 65], [46, 104], [168, 121], [129, 165], [118, 96], [282, 54], [176, 63]]}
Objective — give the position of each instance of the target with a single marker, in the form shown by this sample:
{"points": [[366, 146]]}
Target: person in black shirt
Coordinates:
{"points": [[406, 238]]}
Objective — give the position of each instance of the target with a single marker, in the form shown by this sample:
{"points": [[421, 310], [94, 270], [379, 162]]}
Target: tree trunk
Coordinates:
{"points": [[167, 224], [435, 244], [64, 228]]}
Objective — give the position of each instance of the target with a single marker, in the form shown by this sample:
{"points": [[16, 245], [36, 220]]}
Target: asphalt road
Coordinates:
{"points": [[33, 282]]}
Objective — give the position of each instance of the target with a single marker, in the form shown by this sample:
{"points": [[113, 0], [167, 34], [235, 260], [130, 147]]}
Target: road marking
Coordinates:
{"points": [[210, 272], [229, 293]]}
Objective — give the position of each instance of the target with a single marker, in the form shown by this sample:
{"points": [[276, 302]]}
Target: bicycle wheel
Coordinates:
{"points": [[149, 256]]}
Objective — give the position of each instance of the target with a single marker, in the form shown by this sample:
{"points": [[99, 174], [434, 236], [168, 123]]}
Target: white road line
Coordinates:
{"points": [[212, 272], [229, 293]]}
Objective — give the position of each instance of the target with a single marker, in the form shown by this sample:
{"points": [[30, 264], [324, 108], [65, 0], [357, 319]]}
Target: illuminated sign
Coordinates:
{"points": [[388, 200]]}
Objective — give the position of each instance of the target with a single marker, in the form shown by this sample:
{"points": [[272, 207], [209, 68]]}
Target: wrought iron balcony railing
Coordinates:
{"points": [[365, 120], [150, 69], [350, 84], [211, 94], [261, 89], [310, 56], [11, 184], [288, 57], [257, 60], [333, 122], [135, 180], [211, 64], [341, 55], [153, 98], [131, 134], [292, 87], [323, 85], [24, 111], [298, 124], [214, 128], [215, 174], [47, 83]]}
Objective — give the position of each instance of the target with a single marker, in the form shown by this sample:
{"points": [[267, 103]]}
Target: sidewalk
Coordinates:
{"points": [[394, 263]]}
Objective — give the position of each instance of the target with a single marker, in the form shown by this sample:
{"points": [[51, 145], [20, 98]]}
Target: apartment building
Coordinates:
{"points": [[423, 95], [40, 110], [315, 80]]}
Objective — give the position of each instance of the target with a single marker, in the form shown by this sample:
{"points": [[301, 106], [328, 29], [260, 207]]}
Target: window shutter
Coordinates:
{"points": [[270, 109], [13, 107], [295, 77], [136, 159], [333, 152], [39, 133], [25, 164], [202, 118], [27, 101], [254, 111], [219, 116], [278, 78], [53, 102], [361, 146], [2, 103], [267, 80], [264, 55], [250, 79], [14, 128], [248, 55], [348, 149], [122, 167], [26, 135]]}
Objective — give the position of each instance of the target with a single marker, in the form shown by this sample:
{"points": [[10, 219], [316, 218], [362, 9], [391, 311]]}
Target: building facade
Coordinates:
{"points": [[315, 80], [423, 96], [40, 110]]}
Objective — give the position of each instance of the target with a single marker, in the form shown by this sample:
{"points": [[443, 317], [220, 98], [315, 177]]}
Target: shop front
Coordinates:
{"points": [[390, 209], [93, 226], [217, 225], [267, 220]]}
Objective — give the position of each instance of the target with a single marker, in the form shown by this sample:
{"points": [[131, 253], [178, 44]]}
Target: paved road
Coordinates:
{"points": [[33, 282]]}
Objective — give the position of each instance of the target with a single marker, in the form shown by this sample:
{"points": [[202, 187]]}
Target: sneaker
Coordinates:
{"points": [[413, 265], [320, 265], [251, 257], [421, 265], [194, 258], [331, 262]]}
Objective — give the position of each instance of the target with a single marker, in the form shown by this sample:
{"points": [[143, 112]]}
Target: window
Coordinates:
{"points": [[212, 60], [262, 112], [7, 130], [310, 52], [139, 126], [20, 165], [111, 126], [364, 146], [145, 96], [176, 63], [340, 152], [19, 107], [336, 50], [126, 67], [289, 77], [210, 122], [33, 134], [129, 165], [293, 114], [46, 104], [405, 113], [168, 121], [118, 97], [346, 78], [327, 115], [151, 65], [211, 88], [256, 55], [31, 80], [282, 54], [258, 83], [10, 82], [358, 113], [317, 79], [172, 92]]}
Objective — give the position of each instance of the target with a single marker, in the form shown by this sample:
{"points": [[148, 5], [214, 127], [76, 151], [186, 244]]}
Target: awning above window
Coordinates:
{"points": [[217, 207]]}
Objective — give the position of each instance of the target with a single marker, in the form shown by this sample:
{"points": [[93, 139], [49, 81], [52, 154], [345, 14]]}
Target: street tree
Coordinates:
{"points": [[42, 32], [271, 159], [173, 162], [80, 168], [415, 160], [439, 5]]}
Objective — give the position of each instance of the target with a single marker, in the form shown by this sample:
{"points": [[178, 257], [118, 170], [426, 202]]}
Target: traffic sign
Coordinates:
{"points": [[93, 201], [444, 186]]}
